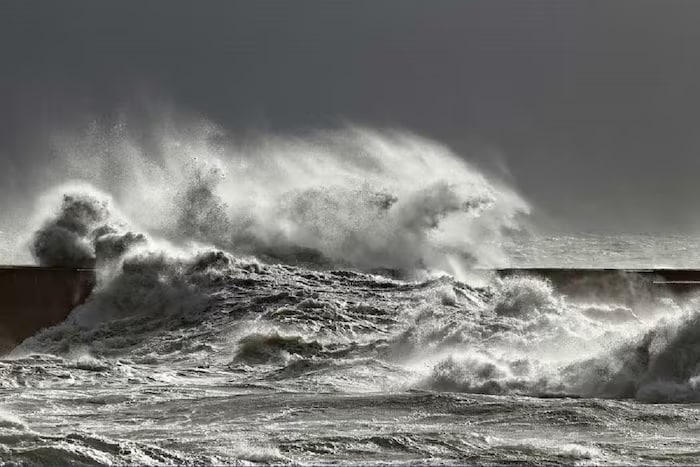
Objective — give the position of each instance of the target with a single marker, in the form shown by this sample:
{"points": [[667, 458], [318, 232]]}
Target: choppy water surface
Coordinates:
{"points": [[214, 359]]}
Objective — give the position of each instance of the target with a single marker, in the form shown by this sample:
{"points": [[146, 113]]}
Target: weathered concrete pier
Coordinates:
{"points": [[33, 298], [677, 279]]}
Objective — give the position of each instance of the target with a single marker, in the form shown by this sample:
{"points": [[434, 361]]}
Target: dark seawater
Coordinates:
{"points": [[219, 359]]}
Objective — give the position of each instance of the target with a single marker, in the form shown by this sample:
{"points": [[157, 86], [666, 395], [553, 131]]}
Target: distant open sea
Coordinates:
{"points": [[637, 251]]}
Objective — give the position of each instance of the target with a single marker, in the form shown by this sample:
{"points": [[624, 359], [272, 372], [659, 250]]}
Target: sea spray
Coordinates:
{"points": [[351, 197], [83, 230]]}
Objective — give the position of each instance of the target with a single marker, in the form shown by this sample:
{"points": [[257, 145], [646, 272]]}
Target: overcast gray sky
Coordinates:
{"points": [[593, 104]]}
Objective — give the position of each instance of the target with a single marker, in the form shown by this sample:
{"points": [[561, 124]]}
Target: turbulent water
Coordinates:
{"points": [[320, 319]]}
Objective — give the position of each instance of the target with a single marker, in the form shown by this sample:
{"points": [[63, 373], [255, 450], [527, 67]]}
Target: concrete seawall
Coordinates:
{"points": [[674, 279], [32, 298]]}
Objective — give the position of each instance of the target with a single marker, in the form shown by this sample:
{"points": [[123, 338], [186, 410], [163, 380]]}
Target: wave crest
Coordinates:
{"points": [[350, 198]]}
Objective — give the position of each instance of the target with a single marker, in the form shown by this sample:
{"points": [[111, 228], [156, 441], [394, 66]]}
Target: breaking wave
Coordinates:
{"points": [[538, 343], [346, 198], [262, 262]]}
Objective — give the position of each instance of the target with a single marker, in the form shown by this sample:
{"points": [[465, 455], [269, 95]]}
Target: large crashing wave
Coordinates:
{"points": [[517, 337], [169, 239], [353, 197]]}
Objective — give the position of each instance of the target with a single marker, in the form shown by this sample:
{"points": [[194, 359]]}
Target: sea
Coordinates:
{"points": [[345, 311], [223, 360]]}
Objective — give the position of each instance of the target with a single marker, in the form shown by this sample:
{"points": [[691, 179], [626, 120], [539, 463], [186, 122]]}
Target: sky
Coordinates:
{"points": [[589, 108]]}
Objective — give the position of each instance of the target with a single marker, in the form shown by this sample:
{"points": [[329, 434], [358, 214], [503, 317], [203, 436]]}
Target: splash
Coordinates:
{"points": [[517, 336], [83, 232], [346, 198], [364, 199], [527, 339]]}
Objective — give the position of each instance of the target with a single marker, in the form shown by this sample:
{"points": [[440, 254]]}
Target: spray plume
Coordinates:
{"points": [[352, 198]]}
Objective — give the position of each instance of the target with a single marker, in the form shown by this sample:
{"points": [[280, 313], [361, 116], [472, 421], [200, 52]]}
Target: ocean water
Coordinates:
{"points": [[598, 250], [327, 311], [217, 359]]}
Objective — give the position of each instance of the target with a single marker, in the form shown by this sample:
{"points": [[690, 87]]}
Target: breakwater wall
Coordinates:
{"points": [[32, 298]]}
